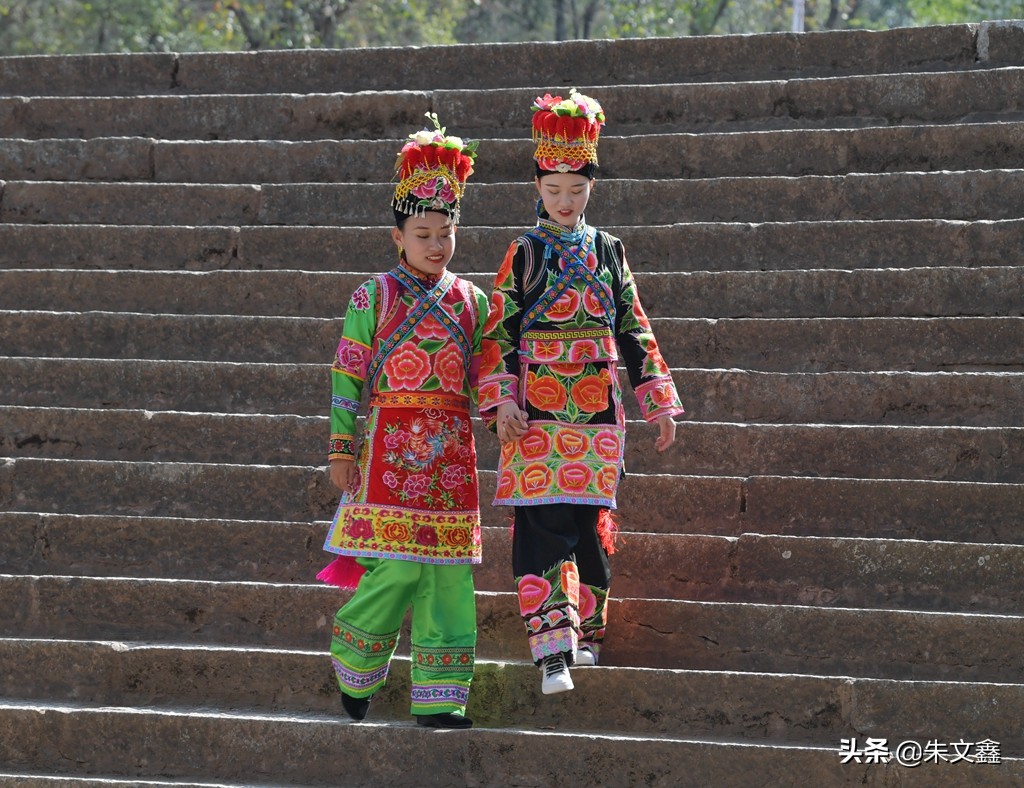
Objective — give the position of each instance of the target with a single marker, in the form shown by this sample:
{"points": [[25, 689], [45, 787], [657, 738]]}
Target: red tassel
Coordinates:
{"points": [[607, 530], [343, 572]]}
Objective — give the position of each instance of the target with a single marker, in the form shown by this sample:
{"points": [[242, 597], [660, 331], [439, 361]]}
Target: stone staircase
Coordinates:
{"points": [[826, 229]]}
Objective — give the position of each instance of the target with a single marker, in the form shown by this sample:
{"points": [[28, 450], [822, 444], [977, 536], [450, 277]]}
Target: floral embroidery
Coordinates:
{"points": [[536, 480], [566, 307], [590, 393], [407, 368], [533, 592], [548, 604], [449, 368], [352, 358], [556, 462], [574, 477], [545, 392], [430, 328], [361, 298]]}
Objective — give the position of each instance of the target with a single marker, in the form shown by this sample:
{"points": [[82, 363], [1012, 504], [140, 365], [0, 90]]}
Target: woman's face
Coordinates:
{"points": [[428, 240], [565, 196]]}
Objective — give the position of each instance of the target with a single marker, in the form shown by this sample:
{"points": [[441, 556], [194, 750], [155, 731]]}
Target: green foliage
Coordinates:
{"points": [[70, 26]]}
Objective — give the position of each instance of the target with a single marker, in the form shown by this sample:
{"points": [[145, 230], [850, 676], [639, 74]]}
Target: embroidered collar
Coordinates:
{"points": [[563, 234], [427, 279]]}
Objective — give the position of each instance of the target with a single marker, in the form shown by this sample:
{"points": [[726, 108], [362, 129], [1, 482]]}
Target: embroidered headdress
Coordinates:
{"points": [[432, 170], [566, 131]]}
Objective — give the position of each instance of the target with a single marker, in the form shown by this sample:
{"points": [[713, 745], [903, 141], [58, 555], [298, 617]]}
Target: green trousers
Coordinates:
{"points": [[443, 649]]}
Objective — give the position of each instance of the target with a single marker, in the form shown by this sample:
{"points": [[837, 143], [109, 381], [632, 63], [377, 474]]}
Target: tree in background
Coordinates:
{"points": [[69, 26]]}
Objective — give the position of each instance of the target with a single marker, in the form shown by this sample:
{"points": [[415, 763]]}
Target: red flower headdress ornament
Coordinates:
{"points": [[432, 170], [566, 131]]}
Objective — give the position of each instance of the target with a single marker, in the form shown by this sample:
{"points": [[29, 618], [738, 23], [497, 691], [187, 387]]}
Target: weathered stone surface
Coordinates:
{"points": [[843, 572], [902, 573], [851, 101], [836, 344], [91, 75], [793, 152], [982, 454], [107, 159], [897, 509], [699, 246], [641, 632], [215, 117], [917, 292], [993, 195], [132, 203], [783, 336], [977, 399], [69, 739], [811, 710], [120, 247], [305, 494]]}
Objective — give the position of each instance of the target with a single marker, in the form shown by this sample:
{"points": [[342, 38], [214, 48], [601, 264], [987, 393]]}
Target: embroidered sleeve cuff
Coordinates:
{"points": [[496, 390], [659, 398], [342, 448]]}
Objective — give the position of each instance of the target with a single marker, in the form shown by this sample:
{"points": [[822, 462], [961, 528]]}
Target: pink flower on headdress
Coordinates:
{"points": [[427, 190], [446, 192], [547, 101]]}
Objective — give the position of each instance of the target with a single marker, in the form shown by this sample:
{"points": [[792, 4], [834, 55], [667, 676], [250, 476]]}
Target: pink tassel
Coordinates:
{"points": [[343, 572], [607, 530]]}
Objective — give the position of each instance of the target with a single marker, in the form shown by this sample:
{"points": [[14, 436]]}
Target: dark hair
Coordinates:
{"points": [[588, 171], [401, 217]]}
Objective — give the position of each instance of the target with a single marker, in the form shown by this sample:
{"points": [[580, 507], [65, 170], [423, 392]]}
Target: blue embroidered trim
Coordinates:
{"points": [[575, 267], [345, 403], [419, 311]]}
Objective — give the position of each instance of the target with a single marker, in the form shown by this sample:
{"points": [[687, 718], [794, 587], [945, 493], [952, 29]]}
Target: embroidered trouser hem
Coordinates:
{"points": [[366, 632], [557, 554]]}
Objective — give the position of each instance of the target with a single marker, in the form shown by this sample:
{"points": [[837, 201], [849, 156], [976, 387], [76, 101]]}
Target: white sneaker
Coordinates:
{"points": [[555, 675], [585, 658]]}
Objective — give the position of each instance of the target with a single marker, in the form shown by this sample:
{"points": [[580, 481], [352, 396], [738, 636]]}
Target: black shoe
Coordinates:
{"points": [[445, 720], [355, 708]]}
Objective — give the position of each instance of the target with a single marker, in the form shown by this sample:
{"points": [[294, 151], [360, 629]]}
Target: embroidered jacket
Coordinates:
{"points": [[563, 312], [416, 346]]}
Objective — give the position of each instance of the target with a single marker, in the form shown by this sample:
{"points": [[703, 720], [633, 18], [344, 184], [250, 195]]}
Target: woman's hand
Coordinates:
{"points": [[511, 422], [342, 473], [667, 430]]}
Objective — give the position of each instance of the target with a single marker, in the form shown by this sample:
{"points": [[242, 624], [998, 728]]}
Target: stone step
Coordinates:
{"points": [[914, 292], [977, 454], [652, 633], [966, 195], [479, 66], [816, 710], [830, 571], [633, 107], [289, 750], [787, 345], [973, 146], [971, 399], [709, 246], [726, 506]]}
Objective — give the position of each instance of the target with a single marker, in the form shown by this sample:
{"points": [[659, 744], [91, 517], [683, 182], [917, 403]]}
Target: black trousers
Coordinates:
{"points": [[547, 534]]}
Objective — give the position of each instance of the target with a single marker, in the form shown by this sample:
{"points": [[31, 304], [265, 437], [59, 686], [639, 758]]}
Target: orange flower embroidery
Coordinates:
{"points": [[536, 479], [535, 444], [591, 394], [571, 445], [574, 477], [565, 307], [545, 393]]}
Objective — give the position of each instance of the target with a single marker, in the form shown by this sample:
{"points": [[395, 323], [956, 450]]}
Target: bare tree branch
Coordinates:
{"points": [[255, 41]]}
